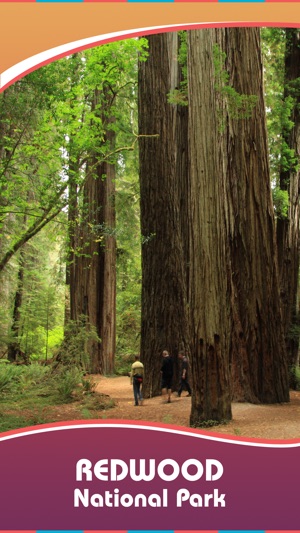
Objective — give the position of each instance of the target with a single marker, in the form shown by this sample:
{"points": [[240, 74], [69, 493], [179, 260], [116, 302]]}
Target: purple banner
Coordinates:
{"points": [[116, 475]]}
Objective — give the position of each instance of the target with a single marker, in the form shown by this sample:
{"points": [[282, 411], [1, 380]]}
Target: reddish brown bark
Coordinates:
{"points": [[209, 291], [259, 368], [164, 309], [288, 228]]}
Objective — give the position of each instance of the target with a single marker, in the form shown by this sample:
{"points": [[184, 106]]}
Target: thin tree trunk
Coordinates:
{"points": [[14, 349], [70, 305]]}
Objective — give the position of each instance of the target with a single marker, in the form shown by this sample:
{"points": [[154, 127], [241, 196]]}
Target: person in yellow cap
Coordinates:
{"points": [[136, 379]]}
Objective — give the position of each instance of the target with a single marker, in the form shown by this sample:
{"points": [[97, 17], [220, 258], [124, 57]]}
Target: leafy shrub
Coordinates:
{"points": [[8, 375], [75, 348], [295, 377], [88, 385], [209, 423], [69, 382], [19, 378], [32, 375], [123, 364]]}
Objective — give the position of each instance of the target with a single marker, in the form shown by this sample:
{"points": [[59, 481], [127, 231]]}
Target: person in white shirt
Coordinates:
{"points": [[136, 378]]}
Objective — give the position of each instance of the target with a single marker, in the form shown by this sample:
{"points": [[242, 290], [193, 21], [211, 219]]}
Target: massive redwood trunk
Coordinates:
{"points": [[259, 367], [164, 309], [209, 288], [288, 229]]}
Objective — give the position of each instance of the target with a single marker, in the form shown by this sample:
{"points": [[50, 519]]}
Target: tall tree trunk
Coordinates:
{"points": [[209, 298], [288, 229], [259, 369], [183, 174], [73, 193], [14, 349], [95, 293], [70, 305], [164, 322], [8, 277]]}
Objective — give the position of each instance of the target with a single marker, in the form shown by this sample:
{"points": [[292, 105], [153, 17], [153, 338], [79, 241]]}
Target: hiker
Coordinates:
{"points": [[184, 378], [136, 378], [166, 375]]}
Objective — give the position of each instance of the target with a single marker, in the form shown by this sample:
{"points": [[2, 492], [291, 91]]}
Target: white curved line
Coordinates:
{"points": [[152, 428], [20, 68]]}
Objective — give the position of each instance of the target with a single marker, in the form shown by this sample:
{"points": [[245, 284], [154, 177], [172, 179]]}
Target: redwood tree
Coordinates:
{"points": [[289, 180], [259, 367], [164, 322], [209, 288], [94, 289]]}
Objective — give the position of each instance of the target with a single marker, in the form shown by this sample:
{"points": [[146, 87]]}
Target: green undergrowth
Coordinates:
{"points": [[207, 424], [32, 395]]}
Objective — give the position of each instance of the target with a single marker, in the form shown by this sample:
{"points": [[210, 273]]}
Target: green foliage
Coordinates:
{"points": [[30, 394], [147, 238], [280, 101], [168, 419], [21, 378], [294, 331], [128, 257], [210, 423], [42, 301], [281, 202], [124, 358], [295, 377], [179, 96], [7, 377], [239, 106], [55, 123], [74, 350], [32, 375], [69, 383]]}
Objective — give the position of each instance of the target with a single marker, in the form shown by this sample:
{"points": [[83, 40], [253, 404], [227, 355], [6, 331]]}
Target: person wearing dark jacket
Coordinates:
{"points": [[167, 375], [184, 377]]}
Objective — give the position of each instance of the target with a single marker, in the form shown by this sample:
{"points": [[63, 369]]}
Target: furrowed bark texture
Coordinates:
{"points": [[209, 299], [288, 229], [259, 369], [96, 265], [164, 324]]}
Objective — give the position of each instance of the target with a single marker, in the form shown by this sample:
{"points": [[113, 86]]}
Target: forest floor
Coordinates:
{"points": [[280, 421], [113, 399]]}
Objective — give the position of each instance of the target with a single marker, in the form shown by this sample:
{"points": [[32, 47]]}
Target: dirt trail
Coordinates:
{"points": [[280, 421]]}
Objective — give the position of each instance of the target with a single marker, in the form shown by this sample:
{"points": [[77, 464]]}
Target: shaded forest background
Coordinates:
{"points": [[149, 200]]}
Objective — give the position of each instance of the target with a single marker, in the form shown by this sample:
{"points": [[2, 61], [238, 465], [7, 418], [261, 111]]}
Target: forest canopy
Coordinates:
{"points": [[149, 200]]}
